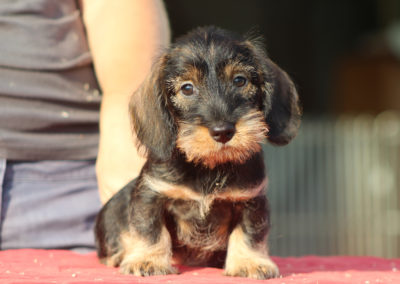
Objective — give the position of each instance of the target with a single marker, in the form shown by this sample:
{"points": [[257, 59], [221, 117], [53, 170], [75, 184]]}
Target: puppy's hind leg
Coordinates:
{"points": [[111, 221]]}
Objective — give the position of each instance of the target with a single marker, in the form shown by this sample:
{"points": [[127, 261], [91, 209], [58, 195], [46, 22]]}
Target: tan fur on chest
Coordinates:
{"points": [[196, 237], [208, 237]]}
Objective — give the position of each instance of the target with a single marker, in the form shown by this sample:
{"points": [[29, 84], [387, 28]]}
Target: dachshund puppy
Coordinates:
{"points": [[200, 199]]}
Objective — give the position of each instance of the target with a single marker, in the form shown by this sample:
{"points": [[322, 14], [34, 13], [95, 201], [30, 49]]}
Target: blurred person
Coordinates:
{"points": [[58, 61]]}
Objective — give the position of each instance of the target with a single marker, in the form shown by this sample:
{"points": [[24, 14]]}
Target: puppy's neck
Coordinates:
{"points": [[203, 180]]}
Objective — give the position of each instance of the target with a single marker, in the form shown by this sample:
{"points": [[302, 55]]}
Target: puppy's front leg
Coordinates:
{"points": [[147, 243], [247, 249]]}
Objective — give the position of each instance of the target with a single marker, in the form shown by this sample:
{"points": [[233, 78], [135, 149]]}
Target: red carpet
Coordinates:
{"points": [[56, 266]]}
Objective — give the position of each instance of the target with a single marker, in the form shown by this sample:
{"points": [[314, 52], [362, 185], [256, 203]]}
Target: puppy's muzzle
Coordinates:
{"points": [[222, 132]]}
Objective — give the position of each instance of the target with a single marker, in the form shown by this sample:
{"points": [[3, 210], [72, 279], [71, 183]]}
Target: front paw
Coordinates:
{"points": [[146, 268], [264, 269]]}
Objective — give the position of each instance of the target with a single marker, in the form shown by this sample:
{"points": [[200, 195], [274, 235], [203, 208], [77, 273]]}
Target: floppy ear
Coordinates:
{"points": [[281, 105], [151, 116], [280, 101]]}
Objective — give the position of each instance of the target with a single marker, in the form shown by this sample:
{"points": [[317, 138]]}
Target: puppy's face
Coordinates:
{"points": [[216, 93], [214, 88]]}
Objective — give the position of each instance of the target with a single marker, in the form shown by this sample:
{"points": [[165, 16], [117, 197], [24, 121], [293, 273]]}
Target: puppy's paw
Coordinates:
{"points": [[146, 268], [264, 269]]}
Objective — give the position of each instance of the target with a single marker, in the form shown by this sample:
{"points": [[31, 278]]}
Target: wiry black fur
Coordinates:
{"points": [[156, 119]]}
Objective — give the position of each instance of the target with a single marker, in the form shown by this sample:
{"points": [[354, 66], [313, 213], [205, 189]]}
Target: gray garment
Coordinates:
{"points": [[48, 204], [49, 96]]}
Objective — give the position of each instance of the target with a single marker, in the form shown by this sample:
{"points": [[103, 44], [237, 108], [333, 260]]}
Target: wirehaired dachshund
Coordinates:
{"points": [[211, 99]]}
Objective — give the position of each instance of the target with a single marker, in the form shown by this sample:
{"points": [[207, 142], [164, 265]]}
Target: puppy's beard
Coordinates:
{"points": [[199, 147]]}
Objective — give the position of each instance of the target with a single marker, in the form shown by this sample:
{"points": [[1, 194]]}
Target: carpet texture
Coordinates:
{"points": [[58, 266]]}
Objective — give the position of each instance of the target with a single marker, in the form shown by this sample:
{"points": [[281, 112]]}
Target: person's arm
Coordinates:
{"points": [[124, 37]]}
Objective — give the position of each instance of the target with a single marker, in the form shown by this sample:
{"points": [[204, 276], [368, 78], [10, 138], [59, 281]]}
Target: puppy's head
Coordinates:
{"points": [[214, 96]]}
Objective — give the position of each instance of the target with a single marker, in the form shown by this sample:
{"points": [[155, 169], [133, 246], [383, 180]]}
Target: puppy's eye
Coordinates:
{"points": [[187, 89], [239, 81]]}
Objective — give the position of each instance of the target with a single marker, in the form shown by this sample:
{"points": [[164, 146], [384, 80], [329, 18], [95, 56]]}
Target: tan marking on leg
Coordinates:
{"points": [[141, 258], [245, 261]]}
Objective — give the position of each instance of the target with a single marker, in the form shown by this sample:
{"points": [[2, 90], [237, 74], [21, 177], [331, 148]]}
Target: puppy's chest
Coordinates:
{"points": [[196, 229], [204, 210], [199, 210]]}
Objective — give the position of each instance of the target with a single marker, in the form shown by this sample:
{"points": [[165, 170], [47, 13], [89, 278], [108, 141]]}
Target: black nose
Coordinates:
{"points": [[222, 132]]}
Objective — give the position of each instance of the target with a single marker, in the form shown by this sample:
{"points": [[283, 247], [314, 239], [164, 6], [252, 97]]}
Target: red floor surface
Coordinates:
{"points": [[57, 266]]}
